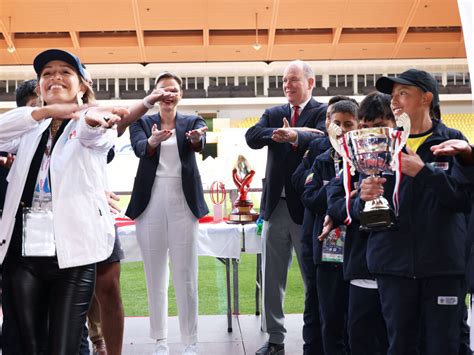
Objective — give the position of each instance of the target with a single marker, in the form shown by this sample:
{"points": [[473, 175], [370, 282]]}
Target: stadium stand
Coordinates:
{"points": [[461, 121], [194, 93]]}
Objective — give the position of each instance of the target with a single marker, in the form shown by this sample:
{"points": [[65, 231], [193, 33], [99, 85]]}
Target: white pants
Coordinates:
{"points": [[168, 227]]}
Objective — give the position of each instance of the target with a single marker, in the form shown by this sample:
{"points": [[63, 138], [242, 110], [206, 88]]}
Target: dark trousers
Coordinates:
{"points": [[10, 333], [50, 303], [365, 324], [432, 306], [333, 298], [311, 324]]}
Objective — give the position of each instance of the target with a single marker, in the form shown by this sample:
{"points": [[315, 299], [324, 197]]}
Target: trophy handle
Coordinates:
{"points": [[403, 122], [248, 179], [335, 131], [236, 178]]}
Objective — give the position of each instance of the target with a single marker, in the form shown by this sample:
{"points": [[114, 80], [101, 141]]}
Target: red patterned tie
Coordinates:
{"points": [[295, 116], [293, 121]]}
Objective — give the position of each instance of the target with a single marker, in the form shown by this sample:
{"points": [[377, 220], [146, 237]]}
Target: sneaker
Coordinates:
{"points": [[161, 348], [98, 347], [271, 349], [190, 349]]}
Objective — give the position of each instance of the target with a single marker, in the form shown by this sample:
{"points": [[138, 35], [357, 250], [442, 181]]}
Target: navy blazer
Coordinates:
{"points": [[282, 161], [432, 230], [191, 179]]}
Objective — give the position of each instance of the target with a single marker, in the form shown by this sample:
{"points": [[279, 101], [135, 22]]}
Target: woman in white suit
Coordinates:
{"points": [[167, 200]]}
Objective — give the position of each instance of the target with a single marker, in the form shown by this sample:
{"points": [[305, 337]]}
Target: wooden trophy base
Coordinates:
{"points": [[242, 213]]}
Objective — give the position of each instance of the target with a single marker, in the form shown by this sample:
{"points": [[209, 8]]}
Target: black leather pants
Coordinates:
{"points": [[50, 304]]}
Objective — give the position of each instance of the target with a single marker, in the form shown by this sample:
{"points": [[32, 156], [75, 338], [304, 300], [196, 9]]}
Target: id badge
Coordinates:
{"points": [[38, 235], [333, 245]]}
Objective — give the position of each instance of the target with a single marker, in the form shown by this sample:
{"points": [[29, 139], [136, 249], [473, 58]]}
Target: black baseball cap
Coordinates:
{"points": [[412, 77], [58, 54]]}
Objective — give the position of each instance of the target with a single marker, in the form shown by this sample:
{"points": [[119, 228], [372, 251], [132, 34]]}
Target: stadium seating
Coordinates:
{"points": [[218, 91], [340, 90], [103, 95], [132, 94], [367, 90], [241, 91], [459, 89], [443, 89], [194, 93], [320, 91], [248, 122], [275, 92], [7, 96], [461, 121]]}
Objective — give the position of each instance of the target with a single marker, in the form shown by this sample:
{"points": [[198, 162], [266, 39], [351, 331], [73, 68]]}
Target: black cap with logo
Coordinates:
{"points": [[413, 77]]}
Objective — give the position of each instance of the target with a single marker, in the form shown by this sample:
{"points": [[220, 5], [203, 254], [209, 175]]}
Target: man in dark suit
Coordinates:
{"points": [[281, 206]]}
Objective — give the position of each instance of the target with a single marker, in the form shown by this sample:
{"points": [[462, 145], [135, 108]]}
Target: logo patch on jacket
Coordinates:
{"points": [[309, 178], [447, 300], [443, 165], [72, 135]]}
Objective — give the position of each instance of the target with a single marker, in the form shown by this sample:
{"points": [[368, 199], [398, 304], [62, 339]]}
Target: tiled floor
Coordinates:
{"points": [[213, 336]]}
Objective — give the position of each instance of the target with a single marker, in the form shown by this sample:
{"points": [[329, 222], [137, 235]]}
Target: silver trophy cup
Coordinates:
{"points": [[372, 151]]}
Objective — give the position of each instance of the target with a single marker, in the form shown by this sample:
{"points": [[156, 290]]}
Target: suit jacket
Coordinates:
{"points": [[191, 179], [281, 159]]}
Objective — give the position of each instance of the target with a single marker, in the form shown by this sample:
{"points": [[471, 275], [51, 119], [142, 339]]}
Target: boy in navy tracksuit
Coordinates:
{"points": [[420, 267], [331, 288], [311, 327], [365, 323]]}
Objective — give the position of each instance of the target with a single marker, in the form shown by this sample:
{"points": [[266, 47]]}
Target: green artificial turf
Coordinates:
{"points": [[212, 288]]}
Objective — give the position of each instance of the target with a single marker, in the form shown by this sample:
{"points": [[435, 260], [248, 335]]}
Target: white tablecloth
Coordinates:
{"points": [[215, 239]]}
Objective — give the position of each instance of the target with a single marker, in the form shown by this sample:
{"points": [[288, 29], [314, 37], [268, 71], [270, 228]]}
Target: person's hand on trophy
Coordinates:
{"points": [[371, 188], [411, 163]]}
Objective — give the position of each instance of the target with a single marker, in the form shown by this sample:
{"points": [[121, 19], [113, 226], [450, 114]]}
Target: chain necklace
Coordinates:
{"points": [[54, 127]]}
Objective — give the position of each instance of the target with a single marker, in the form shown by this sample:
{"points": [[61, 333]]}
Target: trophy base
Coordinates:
{"points": [[242, 218], [243, 212], [377, 220], [377, 215]]}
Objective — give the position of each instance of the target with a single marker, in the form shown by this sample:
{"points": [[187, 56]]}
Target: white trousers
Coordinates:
{"points": [[167, 227]]}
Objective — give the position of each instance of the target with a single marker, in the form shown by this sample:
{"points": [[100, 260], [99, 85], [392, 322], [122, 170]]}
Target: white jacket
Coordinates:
{"points": [[83, 225]]}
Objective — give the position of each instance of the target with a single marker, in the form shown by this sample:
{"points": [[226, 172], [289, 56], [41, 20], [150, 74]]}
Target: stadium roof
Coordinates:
{"points": [[148, 31]]}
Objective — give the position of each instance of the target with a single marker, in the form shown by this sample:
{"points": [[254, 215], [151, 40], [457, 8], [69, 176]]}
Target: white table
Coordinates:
{"points": [[220, 240]]}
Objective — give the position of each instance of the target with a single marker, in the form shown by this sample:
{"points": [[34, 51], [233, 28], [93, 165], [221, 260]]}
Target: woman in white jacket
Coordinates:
{"points": [[56, 222]]}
